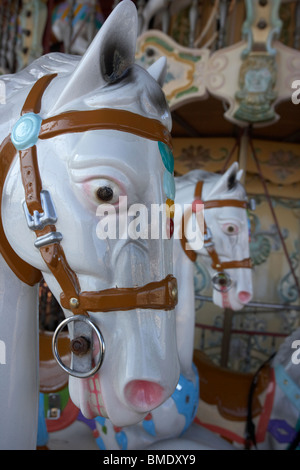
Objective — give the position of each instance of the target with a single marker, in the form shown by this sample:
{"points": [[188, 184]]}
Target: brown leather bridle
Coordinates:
{"points": [[216, 263], [160, 295]]}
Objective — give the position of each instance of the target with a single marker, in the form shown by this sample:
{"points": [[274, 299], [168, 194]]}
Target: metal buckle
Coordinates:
{"points": [[252, 204], [44, 240], [208, 238], [83, 362], [54, 406], [39, 220]]}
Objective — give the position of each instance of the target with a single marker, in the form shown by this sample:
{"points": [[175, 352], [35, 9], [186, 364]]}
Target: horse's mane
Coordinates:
{"points": [[137, 91], [50, 63]]}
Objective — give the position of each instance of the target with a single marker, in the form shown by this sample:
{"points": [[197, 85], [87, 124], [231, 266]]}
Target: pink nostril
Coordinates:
{"points": [[244, 297], [144, 395]]}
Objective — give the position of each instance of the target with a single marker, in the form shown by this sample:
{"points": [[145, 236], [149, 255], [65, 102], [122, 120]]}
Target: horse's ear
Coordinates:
{"points": [[227, 181], [239, 175], [108, 57], [158, 70]]}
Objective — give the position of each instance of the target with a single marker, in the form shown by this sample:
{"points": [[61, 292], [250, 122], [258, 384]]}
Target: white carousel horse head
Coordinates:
{"points": [[89, 157], [224, 247]]}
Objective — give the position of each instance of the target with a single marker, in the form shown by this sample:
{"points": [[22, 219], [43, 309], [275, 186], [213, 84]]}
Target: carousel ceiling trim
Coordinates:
{"points": [[251, 77]]}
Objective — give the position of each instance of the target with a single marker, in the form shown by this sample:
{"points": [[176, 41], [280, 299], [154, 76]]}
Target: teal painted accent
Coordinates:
{"points": [[100, 420], [42, 434], [288, 386], [167, 156], [121, 439], [190, 57], [149, 427], [26, 131], [169, 185], [186, 397], [99, 440], [159, 41]]}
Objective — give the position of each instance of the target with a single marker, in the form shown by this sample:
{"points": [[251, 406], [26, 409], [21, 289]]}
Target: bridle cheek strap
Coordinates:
{"points": [[218, 265], [41, 215]]}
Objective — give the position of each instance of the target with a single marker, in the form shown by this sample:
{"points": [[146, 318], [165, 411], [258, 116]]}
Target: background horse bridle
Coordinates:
{"points": [[221, 280], [41, 215]]}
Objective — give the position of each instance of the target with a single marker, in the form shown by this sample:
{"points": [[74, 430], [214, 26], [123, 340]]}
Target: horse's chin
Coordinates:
{"points": [[87, 395], [227, 300]]}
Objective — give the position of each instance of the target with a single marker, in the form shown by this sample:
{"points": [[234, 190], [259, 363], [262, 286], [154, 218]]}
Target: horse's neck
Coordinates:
{"points": [[184, 272], [18, 361], [185, 309]]}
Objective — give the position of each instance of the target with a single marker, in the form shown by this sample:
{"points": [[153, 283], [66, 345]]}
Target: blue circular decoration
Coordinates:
{"points": [[26, 131], [167, 156], [169, 185]]}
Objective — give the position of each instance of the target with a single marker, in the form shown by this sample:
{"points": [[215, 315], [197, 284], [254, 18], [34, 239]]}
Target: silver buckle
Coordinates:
{"points": [[44, 240], [208, 238], [39, 220]]}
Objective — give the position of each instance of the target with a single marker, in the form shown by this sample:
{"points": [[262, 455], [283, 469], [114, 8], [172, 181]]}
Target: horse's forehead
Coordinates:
{"points": [[97, 147], [136, 92]]}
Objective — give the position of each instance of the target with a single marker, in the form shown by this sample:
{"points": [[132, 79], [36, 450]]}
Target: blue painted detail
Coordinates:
{"points": [[100, 420], [42, 434], [186, 397], [121, 439], [149, 427], [25, 132], [167, 156], [99, 440], [169, 185], [281, 431], [288, 386], [100, 443]]}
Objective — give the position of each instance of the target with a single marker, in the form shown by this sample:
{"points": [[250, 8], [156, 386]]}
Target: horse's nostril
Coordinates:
{"points": [[144, 395], [244, 297]]}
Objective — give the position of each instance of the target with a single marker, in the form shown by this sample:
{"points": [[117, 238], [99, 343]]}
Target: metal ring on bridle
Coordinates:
{"points": [[74, 373], [221, 281]]}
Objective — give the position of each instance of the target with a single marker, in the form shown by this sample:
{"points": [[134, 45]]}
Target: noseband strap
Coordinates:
{"points": [[218, 265], [41, 215]]}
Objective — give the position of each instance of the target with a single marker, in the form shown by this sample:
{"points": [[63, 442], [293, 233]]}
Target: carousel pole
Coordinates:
{"points": [[226, 337], [243, 152]]}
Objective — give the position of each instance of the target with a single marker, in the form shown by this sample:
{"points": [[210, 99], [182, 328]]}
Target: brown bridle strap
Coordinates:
{"points": [[155, 295], [217, 203], [208, 244], [33, 101], [99, 119], [24, 271]]}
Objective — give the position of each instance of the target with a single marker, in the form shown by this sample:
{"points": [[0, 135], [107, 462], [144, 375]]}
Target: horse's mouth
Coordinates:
{"points": [[91, 399]]}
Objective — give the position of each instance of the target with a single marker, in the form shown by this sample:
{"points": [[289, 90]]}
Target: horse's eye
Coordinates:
{"points": [[230, 229], [105, 193]]}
